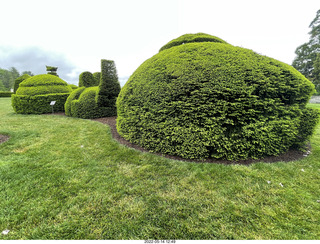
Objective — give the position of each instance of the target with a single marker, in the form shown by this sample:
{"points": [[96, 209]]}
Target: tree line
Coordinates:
{"points": [[307, 60], [8, 76]]}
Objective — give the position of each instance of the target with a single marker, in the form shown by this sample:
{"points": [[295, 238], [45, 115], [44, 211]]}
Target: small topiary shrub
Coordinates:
{"points": [[94, 102], [97, 76], [18, 81], [35, 94], [87, 79], [213, 100]]}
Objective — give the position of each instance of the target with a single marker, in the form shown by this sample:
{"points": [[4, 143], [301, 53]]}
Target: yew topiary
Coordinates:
{"points": [[89, 101], [214, 100], [35, 94]]}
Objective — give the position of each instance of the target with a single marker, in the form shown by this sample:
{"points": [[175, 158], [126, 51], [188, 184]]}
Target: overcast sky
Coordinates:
{"points": [[76, 34]]}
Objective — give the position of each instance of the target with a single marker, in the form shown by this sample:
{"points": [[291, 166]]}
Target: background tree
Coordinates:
{"points": [[8, 77], [307, 53], [27, 73]]}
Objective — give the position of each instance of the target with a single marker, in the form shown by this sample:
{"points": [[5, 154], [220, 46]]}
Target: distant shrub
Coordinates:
{"points": [[84, 101], [35, 94], [213, 100], [18, 81], [82, 104], [5, 94], [87, 79]]}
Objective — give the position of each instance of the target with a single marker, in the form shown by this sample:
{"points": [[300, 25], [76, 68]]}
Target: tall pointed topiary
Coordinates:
{"points": [[109, 87]]}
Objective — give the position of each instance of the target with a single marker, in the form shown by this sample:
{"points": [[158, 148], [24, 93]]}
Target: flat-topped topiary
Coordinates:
{"points": [[35, 94], [213, 100], [191, 38]]}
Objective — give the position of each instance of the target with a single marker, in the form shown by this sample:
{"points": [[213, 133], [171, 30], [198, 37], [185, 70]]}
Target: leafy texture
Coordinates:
{"points": [[18, 81], [87, 79], [190, 38], [91, 100], [35, 94], [206, 99]]}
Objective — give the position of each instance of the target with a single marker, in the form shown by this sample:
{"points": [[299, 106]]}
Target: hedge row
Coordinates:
{"points": [[6, 94], [38, 104]]}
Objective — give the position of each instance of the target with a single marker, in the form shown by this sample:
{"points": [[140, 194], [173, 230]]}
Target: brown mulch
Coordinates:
{"points": [[3, 138], [291, 155]]}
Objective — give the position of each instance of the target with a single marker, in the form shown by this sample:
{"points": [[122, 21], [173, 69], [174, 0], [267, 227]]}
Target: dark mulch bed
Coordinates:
{"points": [[291, 155], [3, 138]]}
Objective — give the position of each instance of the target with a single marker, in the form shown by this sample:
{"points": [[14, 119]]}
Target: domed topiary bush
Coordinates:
{"points": [[35, 94], [213, 100]]}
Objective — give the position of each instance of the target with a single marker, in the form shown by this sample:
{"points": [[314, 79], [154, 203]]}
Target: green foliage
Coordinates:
{"points": [[35, 94], [82, 104], [7, 78], [206, 99], [97, 76], [87, 79], [38, 104], [68, 179], [5, 94], [305, 61], [52, 70], [97, 101], [19, 80], [73, 87], [190, 38], [109, 86]]}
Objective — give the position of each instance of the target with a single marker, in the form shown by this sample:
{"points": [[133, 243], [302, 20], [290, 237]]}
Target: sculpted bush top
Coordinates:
{"points": [[43, 84], [212, 99]]}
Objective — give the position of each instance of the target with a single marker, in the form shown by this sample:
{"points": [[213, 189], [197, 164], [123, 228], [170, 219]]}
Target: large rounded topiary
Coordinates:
{"points": [[211, 99], [35, 94]]}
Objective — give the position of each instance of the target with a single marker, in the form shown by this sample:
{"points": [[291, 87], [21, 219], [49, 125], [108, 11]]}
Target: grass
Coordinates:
{"points": [[66, 178]]}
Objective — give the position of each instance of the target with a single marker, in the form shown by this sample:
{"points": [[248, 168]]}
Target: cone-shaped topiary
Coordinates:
{"points": [[109, 86], [213, 100], [35, 94]]}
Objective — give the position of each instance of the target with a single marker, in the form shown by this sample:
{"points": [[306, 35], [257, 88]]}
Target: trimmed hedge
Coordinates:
{"points": [[18, 81], [82, 104], [73, 87], [87, 79], [38, 104], [35, 94], [5, 94], [213, 100], [98, 101], [190, 38]]}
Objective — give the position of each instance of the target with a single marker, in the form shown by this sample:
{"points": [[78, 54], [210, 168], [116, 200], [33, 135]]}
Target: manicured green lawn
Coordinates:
{"points": [[66, 178]]}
